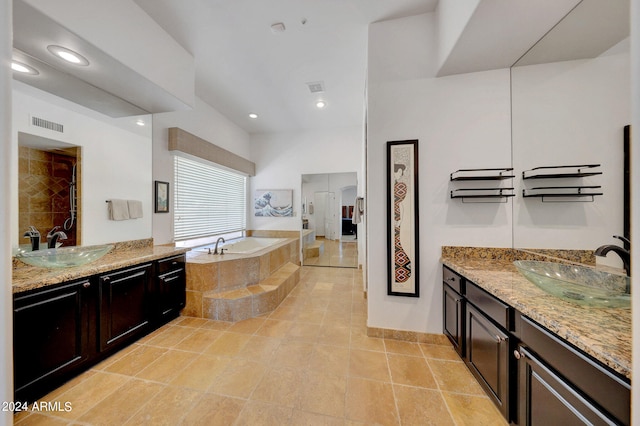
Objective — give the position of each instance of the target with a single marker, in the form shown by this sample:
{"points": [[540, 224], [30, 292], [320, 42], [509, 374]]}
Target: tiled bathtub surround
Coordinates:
{"points": [[605, 334], [233, 287]]}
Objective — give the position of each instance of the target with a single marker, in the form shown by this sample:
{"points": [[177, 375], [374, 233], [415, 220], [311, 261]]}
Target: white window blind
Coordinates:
{"points": [[208, 200]]}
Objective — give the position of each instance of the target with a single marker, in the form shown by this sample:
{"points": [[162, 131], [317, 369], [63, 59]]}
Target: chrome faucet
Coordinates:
{"points": [[624, 254], [54, 235], [215, 251], [34, 235]]}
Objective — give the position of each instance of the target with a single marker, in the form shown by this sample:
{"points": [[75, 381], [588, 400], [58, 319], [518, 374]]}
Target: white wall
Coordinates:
{"points": [[402, 49], [204, 122], [116, 162], [9, 175], [566, 113], [460, 122], [282, 158]]}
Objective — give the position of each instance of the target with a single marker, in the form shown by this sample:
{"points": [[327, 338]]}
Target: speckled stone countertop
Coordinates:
{"points": [[604, 334], [26, 277]]}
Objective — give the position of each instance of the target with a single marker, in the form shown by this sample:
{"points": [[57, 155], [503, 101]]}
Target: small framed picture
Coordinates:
{"points": [[162, 197]]}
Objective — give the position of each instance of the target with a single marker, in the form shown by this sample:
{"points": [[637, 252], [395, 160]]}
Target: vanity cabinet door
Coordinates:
{"points": [[545, 398], [453, 321], [124, 305], [170, 287], [51, 336], [488, 356]]}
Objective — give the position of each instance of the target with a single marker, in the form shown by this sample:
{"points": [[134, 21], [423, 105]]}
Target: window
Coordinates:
{"points": [[208, 200]]}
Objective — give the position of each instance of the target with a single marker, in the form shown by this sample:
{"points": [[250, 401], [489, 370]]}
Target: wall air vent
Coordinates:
{"points": [[316, 87], [46, 124]]}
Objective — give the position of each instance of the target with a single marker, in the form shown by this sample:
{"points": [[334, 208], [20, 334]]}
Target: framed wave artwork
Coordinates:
{"points": [[273, 202], [402, 222]]}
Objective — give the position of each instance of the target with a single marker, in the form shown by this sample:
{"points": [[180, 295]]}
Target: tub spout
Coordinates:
{"points": [[215, 251]]}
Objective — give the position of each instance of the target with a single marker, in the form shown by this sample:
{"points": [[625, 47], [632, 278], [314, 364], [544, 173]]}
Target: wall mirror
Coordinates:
{"points": [[329, 237], [49, 187], [570, 104]]}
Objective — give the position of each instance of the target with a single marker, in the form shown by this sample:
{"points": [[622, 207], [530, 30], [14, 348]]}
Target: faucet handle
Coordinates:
{"points": [[626, 241], [53, 230]]}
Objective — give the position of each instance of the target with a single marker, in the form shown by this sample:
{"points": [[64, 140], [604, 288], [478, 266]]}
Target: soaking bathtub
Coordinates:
{"points": [[245, 245]]}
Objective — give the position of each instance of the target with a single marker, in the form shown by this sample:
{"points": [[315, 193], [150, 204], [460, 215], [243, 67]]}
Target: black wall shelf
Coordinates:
{"points": [[482, 195], [477, 174], [556, 172], [478, 194]]}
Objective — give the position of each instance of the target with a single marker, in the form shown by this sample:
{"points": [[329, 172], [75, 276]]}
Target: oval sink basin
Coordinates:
{"points": [[63, 257], [578, 284]]}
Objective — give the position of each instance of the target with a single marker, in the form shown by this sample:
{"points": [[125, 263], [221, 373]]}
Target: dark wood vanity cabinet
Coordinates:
{"points": [[124, 307], [170, 287], [63, 329], [52, 335], [533, 376], [453, 304]]}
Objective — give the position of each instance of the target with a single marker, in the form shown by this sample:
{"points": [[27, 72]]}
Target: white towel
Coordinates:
{"points": [[118, 210], [358, 210], [135, 209]]}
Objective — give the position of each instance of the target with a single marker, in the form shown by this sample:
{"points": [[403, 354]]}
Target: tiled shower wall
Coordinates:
{"points": [[44, 179]]}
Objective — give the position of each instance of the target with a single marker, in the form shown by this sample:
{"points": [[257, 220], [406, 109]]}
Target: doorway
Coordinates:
{"points": [[328, 236]]}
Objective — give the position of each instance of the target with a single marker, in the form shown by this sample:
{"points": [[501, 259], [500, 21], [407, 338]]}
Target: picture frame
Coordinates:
{"points": [[273, 203], [161, 197], [402, 219]]}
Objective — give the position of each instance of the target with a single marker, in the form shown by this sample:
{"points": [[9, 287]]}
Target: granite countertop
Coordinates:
{"points": [[26, 277], [604, 334]]}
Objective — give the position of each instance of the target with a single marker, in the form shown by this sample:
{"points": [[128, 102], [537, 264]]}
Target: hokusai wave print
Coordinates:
{"points": [[402, 199], [273, 202]]}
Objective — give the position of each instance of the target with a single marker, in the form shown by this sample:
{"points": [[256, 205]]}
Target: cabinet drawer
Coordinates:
{"points": [[170, 264], [453, 280], [491, 306]]}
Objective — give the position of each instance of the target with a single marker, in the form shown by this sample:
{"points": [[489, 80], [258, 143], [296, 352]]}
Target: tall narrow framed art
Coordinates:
{"points": [[402, 218]]}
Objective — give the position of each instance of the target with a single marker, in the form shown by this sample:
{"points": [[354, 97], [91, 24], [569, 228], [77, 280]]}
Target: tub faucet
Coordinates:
{"points": [[33, 234], [215, 251], [624, 254], [54, 235]]}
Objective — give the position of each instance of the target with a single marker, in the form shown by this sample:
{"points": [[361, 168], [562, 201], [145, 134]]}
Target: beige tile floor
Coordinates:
{"points": [[309, 362], [337, 253]]}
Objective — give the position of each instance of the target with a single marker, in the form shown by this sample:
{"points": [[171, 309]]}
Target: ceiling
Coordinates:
{"points": [[243, 67]]}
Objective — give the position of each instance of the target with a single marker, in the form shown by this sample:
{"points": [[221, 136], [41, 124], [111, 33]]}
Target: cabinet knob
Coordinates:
{"points": [[174, 263], [500, 339], [518, 354], [451, 279], [86, 285], [106, 279]]}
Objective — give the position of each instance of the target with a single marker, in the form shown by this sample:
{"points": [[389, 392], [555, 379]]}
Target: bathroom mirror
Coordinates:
{"points": [[328, 234], [570, 104]]}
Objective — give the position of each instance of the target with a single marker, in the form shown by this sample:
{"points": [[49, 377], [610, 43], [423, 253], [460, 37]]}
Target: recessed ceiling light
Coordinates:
{"points": [[68, 55], [140, 122], [321, 104], [23, 68], [253, 115]]}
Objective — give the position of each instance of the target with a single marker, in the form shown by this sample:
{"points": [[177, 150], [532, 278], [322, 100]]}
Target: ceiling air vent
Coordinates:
{"points": [[46, 124], [316, 87]]}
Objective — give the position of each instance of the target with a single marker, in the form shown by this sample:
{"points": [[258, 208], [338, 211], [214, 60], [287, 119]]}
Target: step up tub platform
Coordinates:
{"points": [[234, 287]]}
